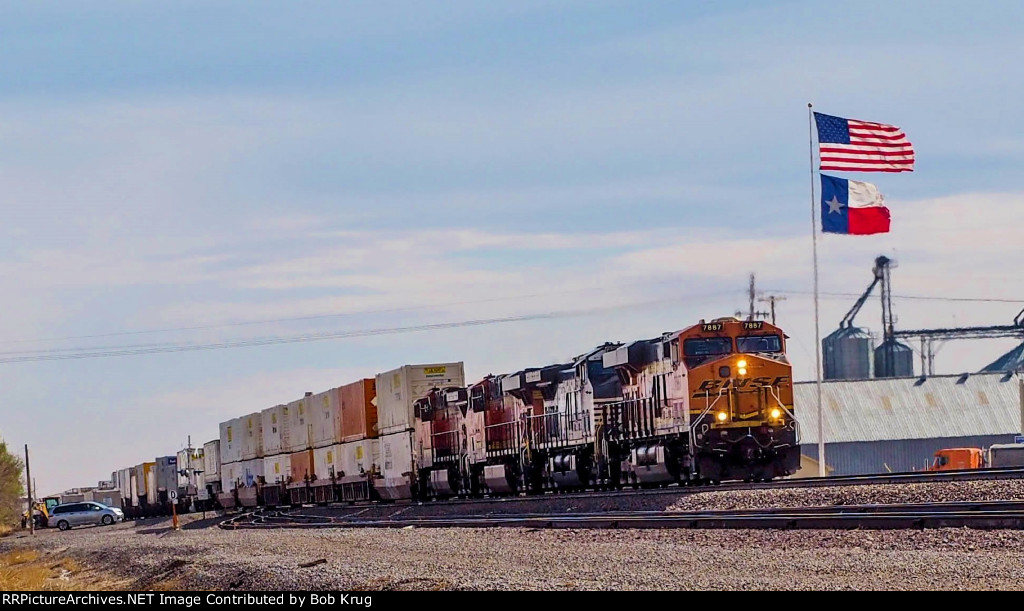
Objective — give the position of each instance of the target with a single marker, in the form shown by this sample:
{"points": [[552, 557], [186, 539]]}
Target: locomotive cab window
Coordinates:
{"points": [[759, 343], [706, 346]]}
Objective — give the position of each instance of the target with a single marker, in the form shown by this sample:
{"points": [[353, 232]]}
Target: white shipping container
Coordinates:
{"points": [[166, 474], [231, 440], [140, 478], [252, 444], [300, 426], [190, 461], [110, 498], [327, 460], [276, 430], [126, 486], [277, 469], [398, 389], [325, 412], [229, 475], [202, 493], [250, 471], [211, 460], [396, 457], [135, 487], [359, 457], [145, 481], [184, 464]]}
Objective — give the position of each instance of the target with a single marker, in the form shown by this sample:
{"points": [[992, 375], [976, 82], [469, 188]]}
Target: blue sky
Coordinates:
{"points": [[403, 163]]}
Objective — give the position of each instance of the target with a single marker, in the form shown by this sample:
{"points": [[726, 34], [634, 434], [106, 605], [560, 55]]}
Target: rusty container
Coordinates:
{"points": [[302, 465], [358, 411]]}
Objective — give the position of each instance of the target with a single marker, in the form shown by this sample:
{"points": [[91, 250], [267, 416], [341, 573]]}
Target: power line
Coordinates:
{"points": [[204, 327], [913, 297], [137, 350]]}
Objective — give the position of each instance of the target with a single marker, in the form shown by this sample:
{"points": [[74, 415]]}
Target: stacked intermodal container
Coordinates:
{"points": [[353, 422], [358, 411], [134, 483], [191, 473], [327, 462], [251, 472], [184, 470], [276, 439], [211, 464], [252, 441], [228, 476], [397, 390], [276, 430], [109, 497], [302, 466], [324, 411], [165, 474], [124, 481], [145, 483], [300, 425], [231, 441], [277, 469]]}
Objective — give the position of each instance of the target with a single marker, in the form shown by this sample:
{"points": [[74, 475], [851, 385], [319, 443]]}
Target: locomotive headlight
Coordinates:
{"points": [[742, 371], [742, 363], [722, 416], [776, 413]]}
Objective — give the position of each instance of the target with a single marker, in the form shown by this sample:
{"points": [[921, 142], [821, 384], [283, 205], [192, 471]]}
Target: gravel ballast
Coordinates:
{"points": [[149, 554], [693, 499]]}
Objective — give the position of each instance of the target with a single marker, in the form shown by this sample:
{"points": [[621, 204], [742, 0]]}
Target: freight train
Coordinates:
{"points": [[711, 402]]}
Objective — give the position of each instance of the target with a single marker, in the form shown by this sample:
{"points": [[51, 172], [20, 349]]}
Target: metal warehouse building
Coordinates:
{"points": [[897, 424]]}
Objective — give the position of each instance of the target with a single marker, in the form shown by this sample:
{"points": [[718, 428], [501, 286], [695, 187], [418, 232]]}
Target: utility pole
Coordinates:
{"points": [[771, 299], [753, 314], [752, 294], [28, 485]]}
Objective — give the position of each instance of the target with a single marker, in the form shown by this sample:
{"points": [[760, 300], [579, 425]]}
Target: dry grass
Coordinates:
{"points": [[28, 570], [21, 570], [25, 569], [5, 529]]}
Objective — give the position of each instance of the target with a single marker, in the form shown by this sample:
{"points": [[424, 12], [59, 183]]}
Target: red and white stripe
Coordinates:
{"points": [[874, 147]]}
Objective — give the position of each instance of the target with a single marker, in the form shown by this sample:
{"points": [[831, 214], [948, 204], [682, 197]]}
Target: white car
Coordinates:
{"points": [[82, 514]]}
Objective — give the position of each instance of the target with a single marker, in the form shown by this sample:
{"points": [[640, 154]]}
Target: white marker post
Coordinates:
{"points": [[173, 496]]}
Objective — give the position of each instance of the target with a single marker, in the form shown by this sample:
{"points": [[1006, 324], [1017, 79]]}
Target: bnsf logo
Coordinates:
{"points": [[713, 386]]}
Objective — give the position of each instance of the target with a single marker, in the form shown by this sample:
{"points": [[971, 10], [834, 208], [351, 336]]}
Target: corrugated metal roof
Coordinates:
{"points": [[912, 408]]}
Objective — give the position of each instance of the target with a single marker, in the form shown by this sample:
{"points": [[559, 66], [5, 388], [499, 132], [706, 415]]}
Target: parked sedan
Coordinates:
{"points": [[82, 514]]}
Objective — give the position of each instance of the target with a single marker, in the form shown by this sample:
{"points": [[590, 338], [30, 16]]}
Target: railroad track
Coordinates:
{"points": [[967, 514], [914, 477]]}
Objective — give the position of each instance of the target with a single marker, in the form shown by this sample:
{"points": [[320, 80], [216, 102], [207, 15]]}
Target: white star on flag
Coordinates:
{"points": [[835, 206]]}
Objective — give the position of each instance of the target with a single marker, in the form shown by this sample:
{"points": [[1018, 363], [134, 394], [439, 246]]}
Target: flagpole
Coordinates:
{"points": [[817, 328]]}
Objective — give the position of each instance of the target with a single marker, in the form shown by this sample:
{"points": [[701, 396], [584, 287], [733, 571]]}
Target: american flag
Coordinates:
{"points": [[862, 146]]}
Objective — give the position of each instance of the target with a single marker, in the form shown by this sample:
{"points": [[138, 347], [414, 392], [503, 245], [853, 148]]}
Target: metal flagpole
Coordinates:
{"points": [[817, 328]]}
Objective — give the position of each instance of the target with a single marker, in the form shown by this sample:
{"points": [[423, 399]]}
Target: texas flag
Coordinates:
{"points": [[852, 207]]}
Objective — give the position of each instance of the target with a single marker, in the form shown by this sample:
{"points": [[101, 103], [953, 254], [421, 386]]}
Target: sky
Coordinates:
{"points": [[185, 173]]}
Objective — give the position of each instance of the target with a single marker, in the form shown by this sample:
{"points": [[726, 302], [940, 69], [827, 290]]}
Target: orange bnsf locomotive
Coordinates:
{"points": [[708, 403], [740, 390]]}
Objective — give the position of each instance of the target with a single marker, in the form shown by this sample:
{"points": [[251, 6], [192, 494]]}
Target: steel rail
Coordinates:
{"points": [[912, 477], [966, 514]]}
